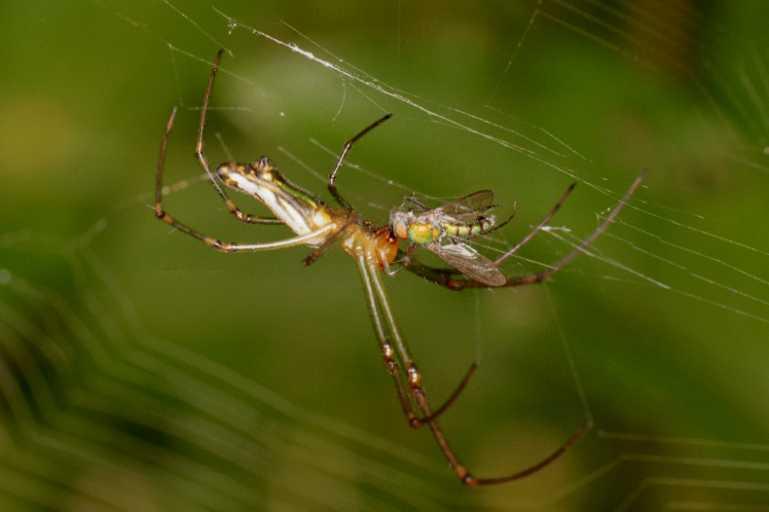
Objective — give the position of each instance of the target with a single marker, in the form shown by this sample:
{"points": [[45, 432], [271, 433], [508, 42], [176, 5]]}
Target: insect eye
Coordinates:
{"points": [[400, 229]]}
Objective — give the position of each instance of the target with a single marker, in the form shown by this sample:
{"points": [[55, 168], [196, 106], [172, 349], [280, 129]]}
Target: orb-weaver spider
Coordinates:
{"points": [[374, 249]]}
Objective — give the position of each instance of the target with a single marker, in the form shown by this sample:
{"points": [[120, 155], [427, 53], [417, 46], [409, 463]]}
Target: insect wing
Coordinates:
{"points": [[413, 205], [466, 210], [473, 204], [470, 262]]}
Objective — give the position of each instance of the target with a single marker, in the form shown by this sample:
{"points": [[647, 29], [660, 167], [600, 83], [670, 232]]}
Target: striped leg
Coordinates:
{"points": [[200, 155], [419, 396], [391, 361]]}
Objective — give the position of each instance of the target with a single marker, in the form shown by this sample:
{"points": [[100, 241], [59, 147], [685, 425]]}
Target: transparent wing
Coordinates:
{"points": [[466, 210], [470, 262], [472, 204], [412, 204]]}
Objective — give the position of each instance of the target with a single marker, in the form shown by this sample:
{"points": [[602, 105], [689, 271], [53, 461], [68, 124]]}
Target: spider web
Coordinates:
{"points": [[139, 371]]}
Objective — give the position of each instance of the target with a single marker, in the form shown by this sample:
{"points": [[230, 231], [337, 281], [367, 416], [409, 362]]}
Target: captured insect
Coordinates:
{"points": [[444, 230]]}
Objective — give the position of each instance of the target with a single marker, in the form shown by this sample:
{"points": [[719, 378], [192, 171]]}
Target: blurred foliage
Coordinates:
{"points": [[141, 371]]}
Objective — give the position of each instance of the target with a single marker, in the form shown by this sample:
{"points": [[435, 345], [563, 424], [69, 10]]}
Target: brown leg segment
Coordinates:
{"points": [[391, 361], [420, 396], [346, 149], [538, 227]]}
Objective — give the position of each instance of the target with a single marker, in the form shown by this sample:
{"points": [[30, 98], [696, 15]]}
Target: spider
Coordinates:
{"points": [[374, 249]]}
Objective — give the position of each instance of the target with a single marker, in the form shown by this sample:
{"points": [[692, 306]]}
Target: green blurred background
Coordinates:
{"points": [[141, 371]]}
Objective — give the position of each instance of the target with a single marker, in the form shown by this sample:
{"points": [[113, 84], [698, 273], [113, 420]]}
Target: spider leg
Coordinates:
{"points": [[538, 227], [453, 397], [320, 251], [391, 361], [420, 397], [346, 149], [218, 245], [501, 224], [200, 155], [442, 276], [454, 280]]}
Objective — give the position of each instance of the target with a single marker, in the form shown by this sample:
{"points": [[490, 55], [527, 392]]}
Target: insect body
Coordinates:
{"points": [[445, 230], [465, 217]]}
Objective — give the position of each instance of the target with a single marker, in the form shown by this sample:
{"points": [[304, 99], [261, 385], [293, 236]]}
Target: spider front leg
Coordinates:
{"points": [[346, 149], [537, 228], [201, 156], [316, 253], [379, 306], [215, 243], [454, 280]]}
